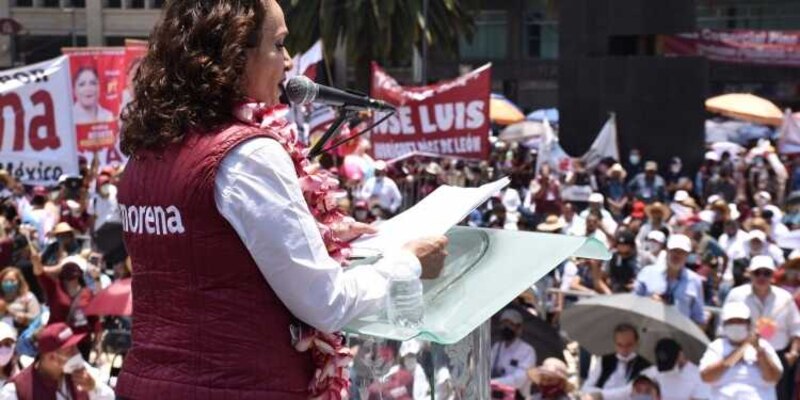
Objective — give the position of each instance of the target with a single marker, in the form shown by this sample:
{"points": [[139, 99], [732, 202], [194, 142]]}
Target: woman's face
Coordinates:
{"points": [[267, 64], [87, 88]]}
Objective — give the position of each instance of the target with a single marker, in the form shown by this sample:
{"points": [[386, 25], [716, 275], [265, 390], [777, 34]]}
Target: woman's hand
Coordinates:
{"points": [[431, 253], [349, 230]]}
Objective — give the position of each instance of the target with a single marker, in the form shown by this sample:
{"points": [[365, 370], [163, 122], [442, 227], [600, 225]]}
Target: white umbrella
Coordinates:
{"points": [[522, 131], [592, 321]]}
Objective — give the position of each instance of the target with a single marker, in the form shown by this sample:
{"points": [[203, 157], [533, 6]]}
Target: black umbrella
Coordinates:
{"points": [[537, 332]]}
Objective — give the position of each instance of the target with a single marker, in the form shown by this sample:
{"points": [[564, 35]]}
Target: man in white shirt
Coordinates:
{"points": [[511, 357], [755, 245], [774, 315], [409, 351], [611, 375], [739, 365], [382, 190], [104, 207], [597, 202], [677, 377]]}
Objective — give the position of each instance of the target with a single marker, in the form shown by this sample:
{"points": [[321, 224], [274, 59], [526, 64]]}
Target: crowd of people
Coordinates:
{"points": [[715, 243]]}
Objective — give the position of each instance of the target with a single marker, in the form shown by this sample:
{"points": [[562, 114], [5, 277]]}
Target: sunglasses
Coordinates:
{"points": [[765, 273]]}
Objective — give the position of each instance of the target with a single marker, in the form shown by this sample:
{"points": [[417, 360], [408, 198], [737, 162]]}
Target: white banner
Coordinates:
{"points": [[789, 136], [37, 137], [604, 145]]}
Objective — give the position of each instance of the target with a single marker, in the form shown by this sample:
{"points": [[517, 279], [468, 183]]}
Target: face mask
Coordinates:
{"points": [[641, 397], [361, 215], [73, 364], [104, 189], [62, 240], [736, 332], [761, 202], [692, 259], [634, 159], [675, 168], [10, 286], [409, 363], [6, 352], [507, 334]]}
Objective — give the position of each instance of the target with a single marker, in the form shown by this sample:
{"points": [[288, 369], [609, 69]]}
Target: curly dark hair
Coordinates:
{"points": [[192, 75]]}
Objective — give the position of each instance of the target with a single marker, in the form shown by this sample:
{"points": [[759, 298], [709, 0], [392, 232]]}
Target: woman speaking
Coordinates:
{"points": [[237, 251]]}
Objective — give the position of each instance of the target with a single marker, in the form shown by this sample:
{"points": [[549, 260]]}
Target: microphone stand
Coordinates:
{"points": [[344, 115]]}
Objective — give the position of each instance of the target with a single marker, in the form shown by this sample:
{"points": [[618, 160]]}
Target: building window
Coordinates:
{"points": [[490, 38], [541, 37], [23, 3], [737, 14]]}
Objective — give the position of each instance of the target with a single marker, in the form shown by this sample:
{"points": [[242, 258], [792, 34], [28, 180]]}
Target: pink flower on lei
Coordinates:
{"points": [[331, 359]]}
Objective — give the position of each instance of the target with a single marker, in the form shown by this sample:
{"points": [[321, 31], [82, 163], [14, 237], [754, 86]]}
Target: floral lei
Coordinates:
{"points": [[331, 358]]}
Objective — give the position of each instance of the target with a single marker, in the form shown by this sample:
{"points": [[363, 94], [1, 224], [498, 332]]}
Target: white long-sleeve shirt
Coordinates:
{"points": [[101, 390], [514, 360], [617, 387], [258, 193]]}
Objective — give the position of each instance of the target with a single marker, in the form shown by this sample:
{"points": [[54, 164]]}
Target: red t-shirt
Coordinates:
{"points": [[6, 251]]}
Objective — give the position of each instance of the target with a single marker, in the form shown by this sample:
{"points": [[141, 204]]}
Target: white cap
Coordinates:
{"points": [[680, 196], [735, 214], [679, 242], [657, 236], [380, 165], [713, 199], [794, 255], [712, 155], [511, 315], [735, 310], [7, 331], [761, 262], [765, 195], [77, 260], [73, 205], [757, 234], [410, 347], [596, 198]]}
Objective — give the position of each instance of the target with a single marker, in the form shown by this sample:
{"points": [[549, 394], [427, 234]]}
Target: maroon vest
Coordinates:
{"points": [[31, 385], [206, 324]]}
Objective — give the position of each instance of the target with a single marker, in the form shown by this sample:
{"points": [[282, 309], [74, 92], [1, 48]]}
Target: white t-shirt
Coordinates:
{"points": [[105, 210], [515, 360], [779, 307], [743, 381], [681, 383]]}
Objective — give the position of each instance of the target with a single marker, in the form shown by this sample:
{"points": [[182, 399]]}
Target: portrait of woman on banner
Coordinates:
{"points": [[87, 108]]}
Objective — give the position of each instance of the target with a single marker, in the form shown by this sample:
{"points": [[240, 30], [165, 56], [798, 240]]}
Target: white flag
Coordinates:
{"points": [[789, 136], [306, 63], [551, 152], [604, 146]]}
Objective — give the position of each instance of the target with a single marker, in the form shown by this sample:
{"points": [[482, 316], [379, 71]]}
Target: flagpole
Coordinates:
{"points": [[425, 42]]}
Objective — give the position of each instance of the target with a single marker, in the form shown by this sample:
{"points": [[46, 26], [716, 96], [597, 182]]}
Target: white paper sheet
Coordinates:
{"points": [[433, 216]]}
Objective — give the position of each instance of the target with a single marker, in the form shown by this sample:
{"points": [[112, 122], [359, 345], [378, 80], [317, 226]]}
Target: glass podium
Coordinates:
{"points": [[447, 357]]}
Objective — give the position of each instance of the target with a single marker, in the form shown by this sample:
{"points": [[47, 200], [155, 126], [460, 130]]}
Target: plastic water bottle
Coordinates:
{"points": [[406, 307]]}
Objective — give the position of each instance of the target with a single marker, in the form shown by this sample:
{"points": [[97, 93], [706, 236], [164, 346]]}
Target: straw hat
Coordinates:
{"points": [[657, 206], [617, 168], [551, 367], [62, 227], [551, 224], [433, 168]]}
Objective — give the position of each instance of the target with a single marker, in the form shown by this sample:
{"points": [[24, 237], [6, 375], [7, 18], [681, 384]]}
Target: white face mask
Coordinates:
{"points": [[736, 332], [105, 189], [73, 364], [6, 352], [409, 363]]}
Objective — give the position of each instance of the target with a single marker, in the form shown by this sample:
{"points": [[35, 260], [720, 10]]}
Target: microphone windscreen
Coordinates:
{"points": [[301, 90]]}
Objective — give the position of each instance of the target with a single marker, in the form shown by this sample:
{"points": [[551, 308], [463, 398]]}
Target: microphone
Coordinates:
{"points": [[301, 90]]}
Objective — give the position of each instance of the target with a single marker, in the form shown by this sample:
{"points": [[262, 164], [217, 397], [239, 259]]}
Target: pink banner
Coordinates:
{"points": [[780, 48]]}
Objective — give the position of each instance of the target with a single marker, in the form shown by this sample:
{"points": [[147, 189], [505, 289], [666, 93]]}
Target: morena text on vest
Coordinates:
{"points": [[151, 220]]}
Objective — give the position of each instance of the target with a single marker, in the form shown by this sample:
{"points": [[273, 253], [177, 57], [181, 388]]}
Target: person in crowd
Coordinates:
{"points": [[544, 194], [596, 203], [623, 266], [611, 376], [573, 223], [775, 316], [755, 245], [8, 359], [739, 364], [59, 371], [581, 275], [38, 216], [634, 162], [678, 378], [87, 108], [616, 191], [648, 186], [19, 304], [645, 388], [382, 190], [551, 381], [674, 174], [594, 228], [420, 387], [657, 218], [511, 357], [580, 176], [64, 246], [103, 206], [788, 275], [732, 236], [683, 207], [673, 283], [654, 251], [67, 296]]}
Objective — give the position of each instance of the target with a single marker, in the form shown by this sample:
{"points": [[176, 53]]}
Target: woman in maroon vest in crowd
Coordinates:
{"points": [[235, 245]]}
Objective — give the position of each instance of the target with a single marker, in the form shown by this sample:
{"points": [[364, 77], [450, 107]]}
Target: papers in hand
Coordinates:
{"points": [[433, 216]]}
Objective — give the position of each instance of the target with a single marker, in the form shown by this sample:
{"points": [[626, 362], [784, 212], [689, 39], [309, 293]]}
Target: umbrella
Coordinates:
{"points": [[503, 112], [550, 114], [537, 332], [746, 107], [113, 300], [592, 321], [522, 131]]}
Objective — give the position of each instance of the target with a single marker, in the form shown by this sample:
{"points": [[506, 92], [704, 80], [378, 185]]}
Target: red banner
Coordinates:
{"points": [[739, 46], [449, 118]]}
